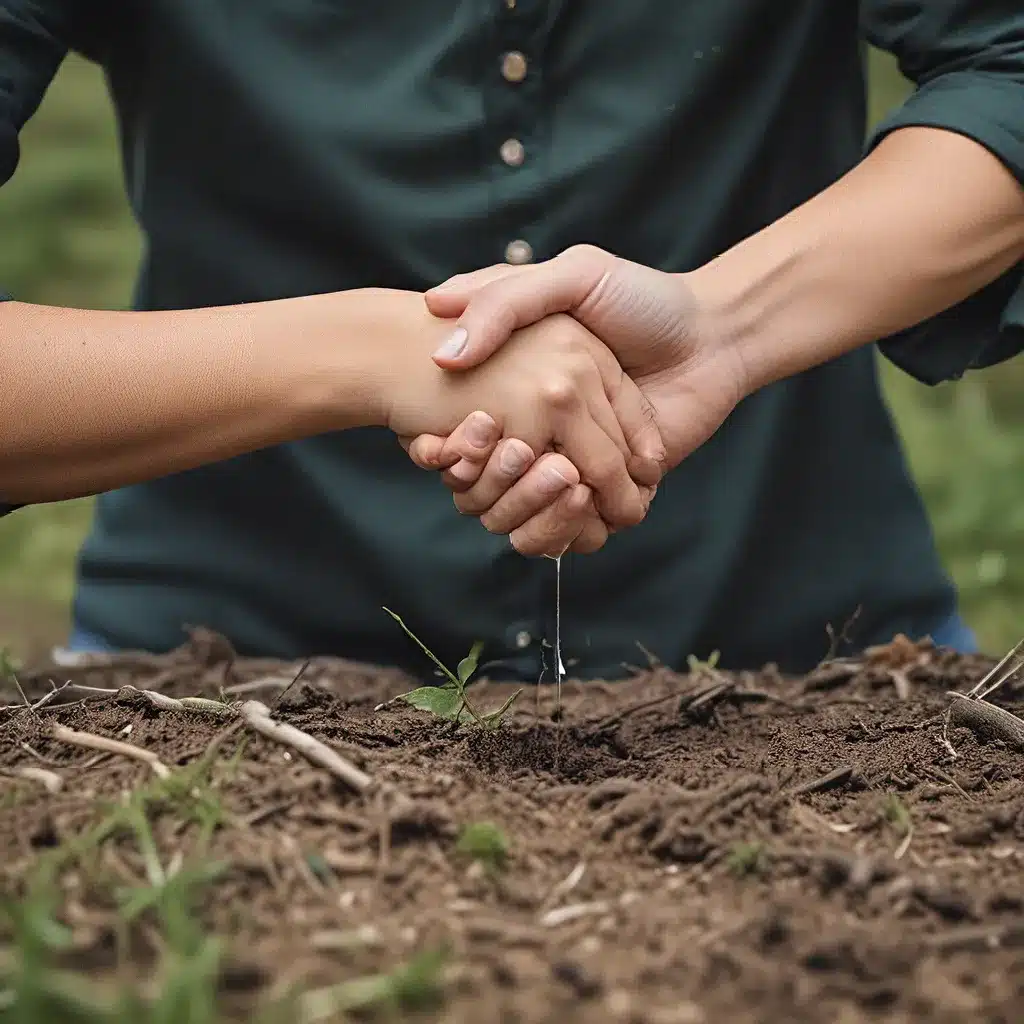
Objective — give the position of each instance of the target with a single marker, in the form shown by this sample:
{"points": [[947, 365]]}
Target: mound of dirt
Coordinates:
{"points": [[672, 849]]}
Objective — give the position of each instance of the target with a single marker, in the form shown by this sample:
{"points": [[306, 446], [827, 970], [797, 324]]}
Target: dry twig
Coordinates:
{"points": [[643, 705], [567, 884], [980, 690], [51, 780], [90, 741], [165, 703], [257, 716], [573, 912], [832, 780], [986, 719]]}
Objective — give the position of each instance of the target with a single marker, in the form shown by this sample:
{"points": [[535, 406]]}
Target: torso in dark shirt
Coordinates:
{"points": [[283, 147]]}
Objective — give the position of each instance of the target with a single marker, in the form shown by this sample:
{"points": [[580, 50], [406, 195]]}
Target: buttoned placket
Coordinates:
{"points": [[512, 102]]}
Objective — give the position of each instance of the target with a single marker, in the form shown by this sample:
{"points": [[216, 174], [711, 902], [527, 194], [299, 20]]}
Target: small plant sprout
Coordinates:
{"points": [[415, 986], [695, 665], [746, 859], [485, 844], [449, 701], [8, 664], [894, 810]]}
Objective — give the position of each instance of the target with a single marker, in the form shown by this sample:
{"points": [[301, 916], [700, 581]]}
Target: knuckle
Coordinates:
{"points": [[501, 311], [560, 392], [607, 471], [584, 252]]}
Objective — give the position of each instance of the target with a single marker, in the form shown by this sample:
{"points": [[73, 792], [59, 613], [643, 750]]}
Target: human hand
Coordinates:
{"points": [[555, 390], [652, 321], [557, 512]]}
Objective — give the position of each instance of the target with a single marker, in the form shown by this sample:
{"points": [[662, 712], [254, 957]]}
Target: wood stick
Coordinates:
{"points": [[839, 777], [1005, 658], [51, 780], [257, 717], [165, 703], [90, 741], [986, 719]]}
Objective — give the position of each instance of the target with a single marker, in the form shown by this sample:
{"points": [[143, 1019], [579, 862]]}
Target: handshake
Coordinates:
{"points": [[591, 377]]}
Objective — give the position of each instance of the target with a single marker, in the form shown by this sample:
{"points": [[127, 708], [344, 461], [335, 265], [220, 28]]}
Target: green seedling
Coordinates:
{"points": [[695, 665], [33, 986], [485, 844], [746, 859], [414, 986], [894, 810], [9, 665], [450, 701]]}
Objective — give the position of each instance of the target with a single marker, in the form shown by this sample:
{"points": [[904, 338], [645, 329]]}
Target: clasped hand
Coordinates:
{"points": [[660, 336]]}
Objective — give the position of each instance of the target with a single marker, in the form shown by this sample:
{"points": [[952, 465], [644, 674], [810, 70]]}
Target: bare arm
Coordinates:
{"points": [[101, 400], [96, 400], [922, 223]]}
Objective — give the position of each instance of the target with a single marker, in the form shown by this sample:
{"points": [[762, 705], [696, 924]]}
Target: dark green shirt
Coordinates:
{"points": [[280, 147]]}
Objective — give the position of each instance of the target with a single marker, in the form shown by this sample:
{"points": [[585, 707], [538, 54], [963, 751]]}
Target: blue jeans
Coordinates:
{"points": [[953, 633]]}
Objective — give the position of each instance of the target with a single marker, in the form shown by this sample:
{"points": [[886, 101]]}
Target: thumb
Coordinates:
{"points": [[513, 301], [428, 451], [448, 299]]}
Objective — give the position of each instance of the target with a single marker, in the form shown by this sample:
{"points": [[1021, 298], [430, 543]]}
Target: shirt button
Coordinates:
{"points": [[512, 152], [523, 639], [513, 66], [518, 252]]}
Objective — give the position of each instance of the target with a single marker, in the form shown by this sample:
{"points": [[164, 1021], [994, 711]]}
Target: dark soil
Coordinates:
{"points": [[749, 849]]}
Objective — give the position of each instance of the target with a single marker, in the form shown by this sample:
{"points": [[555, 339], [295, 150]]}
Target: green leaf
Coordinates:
{"points": [[495, 717], [469, 663], [696, 665], [423, 647], [443, 701], [417, 985], [485, 843]]}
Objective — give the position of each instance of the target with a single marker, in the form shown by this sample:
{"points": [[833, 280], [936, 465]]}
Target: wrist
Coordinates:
{"points": [[751, 308], [337, 360]]}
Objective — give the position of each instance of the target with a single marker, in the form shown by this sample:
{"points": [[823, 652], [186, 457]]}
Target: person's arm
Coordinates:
{"points": [[925, 223], [100, 400], [96, 400], [919, 247]]}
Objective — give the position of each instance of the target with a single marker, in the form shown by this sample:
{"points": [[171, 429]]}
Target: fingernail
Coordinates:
{"points": [[480, 431], [553, 480], [512, 460], [453, 347]]}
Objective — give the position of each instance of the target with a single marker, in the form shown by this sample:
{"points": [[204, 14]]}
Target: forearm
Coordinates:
{"points": [[98, 400], [922, 223]]}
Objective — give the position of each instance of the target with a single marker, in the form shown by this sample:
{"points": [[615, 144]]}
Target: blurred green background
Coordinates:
{"points": [[70, 240]]}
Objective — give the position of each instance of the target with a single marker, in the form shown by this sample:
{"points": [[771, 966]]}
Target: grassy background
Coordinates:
{"points": [[70, 240]]}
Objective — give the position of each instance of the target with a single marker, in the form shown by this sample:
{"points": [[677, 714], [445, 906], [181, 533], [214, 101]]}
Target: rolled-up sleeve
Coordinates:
{"points": [[35, 37], [966, 58]]}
